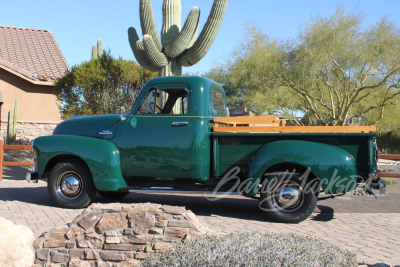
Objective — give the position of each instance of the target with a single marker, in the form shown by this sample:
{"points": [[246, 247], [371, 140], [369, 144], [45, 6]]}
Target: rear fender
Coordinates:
{"points": [[101, 156], [334, 167]]}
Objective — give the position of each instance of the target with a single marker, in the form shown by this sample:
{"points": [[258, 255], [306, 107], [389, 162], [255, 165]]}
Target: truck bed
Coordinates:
{"points": [[236, 139]]}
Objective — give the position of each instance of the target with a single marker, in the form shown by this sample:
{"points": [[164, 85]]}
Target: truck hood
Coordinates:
{"points": [[100, 126]]}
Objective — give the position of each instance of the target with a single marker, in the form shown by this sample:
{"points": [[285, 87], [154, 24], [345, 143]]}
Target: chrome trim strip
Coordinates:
{"points": [[168, 191]]}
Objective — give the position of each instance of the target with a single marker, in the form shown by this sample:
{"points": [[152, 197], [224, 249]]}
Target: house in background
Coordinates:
{"points": [[30, 63]]}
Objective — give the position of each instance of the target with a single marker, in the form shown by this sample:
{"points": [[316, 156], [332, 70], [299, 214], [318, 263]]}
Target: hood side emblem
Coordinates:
{"points": [[105, 132]]}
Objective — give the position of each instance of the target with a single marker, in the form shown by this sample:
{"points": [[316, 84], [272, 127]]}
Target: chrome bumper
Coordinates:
{"points": [[32, 176], [375, 182]]}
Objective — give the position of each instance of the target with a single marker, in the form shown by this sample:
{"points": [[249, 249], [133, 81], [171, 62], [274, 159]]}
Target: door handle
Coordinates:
{"points": [[179, 123]]}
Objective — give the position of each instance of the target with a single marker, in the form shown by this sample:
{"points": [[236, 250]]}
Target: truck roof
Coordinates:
{"points": [[191, 80]]}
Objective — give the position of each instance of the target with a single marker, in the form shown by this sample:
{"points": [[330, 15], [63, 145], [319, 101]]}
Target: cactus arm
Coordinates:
{"points": [[94, 51], [148, 22], [172, 12], [9, 127], [143, 58], [99, 48], [138, 50], [199, 49], [182, 41], [194, 37], [14, 133], [153, 55]]}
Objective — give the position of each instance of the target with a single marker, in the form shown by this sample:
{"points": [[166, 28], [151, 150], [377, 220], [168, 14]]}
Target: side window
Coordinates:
{"points": [[154, 102], [165, 101], [218, 99]]}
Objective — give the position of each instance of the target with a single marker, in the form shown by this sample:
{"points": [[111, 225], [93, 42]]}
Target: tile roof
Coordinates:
{"points": [[33, 53]]}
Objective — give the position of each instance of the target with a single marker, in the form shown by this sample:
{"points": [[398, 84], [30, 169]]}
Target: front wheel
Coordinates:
{"points": [[70, 185], [286, 198]]}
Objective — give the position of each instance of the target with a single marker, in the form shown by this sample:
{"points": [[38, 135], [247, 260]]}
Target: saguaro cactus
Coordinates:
{"points": [[11, 134], [97, 50], [178, 47]]}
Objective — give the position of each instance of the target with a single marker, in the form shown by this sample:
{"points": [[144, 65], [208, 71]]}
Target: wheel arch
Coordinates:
{"points": [[287, 166], [324, 161], [60, 158], [291, 167]]}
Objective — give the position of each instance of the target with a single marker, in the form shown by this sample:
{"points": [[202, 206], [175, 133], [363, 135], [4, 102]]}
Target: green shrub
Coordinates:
{"points": [[254, 249], [389, 181], [389, 142]]}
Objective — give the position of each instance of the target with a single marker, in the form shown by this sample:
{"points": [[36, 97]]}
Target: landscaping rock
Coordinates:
{"points": [[175, 234], [111, 221], [79, 263], [173, 209], [16, 245], [59, 255], [112, 256], [55, 242], [135, 239], [89, 220], [141, 222]]}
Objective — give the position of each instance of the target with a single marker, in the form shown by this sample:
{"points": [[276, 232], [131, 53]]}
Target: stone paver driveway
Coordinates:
{"points": [[366, 226]]}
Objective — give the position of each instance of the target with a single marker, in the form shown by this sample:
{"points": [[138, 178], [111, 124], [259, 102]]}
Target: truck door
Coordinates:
{"points": [[158, 136]]}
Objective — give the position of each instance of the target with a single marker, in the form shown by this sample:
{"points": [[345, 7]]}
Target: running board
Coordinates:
{"points": [[168, 190]]}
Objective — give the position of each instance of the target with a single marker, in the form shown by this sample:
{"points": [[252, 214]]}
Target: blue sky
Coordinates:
{"points": [[76, 25]]}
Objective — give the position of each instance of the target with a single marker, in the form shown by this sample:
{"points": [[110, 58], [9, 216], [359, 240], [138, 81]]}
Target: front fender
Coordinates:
{"points": [[101, 156], [334, 167]]}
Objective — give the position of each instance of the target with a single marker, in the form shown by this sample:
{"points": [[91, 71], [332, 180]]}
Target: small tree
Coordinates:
{"points": [[333, 71], [101, 86]]}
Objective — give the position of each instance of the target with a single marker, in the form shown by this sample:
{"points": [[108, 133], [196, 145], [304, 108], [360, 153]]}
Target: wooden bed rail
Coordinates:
{"points": [[272, 124], [389, 174], [8, 163], [271, 120]]}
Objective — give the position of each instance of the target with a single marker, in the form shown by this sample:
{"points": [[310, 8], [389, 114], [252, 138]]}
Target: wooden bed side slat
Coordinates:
{"points": [[9, 163], [388, 174], [248, 120], [389, 156], [24, 147], [296, 129]]}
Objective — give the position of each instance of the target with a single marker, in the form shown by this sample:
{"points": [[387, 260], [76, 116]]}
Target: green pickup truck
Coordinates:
{"points": [[178, 137]]}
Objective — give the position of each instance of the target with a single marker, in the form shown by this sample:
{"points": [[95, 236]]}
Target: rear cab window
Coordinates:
{"points": [[218, 99]]}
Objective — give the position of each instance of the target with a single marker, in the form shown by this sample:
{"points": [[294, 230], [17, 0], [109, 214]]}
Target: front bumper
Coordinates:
{"points": [[32, 176]]}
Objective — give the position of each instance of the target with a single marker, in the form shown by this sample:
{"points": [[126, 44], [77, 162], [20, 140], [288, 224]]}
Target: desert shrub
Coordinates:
{"points": [[389, 142], [389, 181], [254, 249]]}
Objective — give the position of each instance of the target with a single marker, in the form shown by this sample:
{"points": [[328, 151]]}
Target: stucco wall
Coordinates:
{"points": [[36, 103]]}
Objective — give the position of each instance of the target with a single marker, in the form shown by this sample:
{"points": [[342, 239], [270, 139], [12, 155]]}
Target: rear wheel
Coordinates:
{"points": [[70, 185], [112, 194], [287, 198]]}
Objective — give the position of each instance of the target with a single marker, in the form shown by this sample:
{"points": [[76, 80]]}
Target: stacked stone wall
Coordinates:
{"points": [[27, 131], [116, 235]]}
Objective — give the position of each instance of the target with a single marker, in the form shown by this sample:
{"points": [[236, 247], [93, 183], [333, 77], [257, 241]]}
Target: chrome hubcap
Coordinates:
{"points": [[289, 197], [69, 185]]}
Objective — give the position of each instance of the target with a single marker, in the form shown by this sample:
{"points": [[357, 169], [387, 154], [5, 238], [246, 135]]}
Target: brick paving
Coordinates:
{"points": [[366, 226]]}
